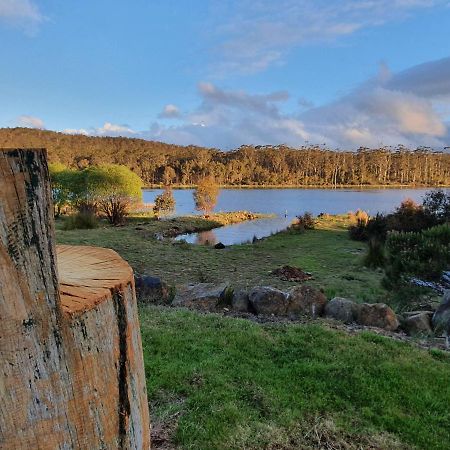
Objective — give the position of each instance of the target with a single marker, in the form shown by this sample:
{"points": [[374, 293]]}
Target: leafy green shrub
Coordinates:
{"points": [[373, 228], [362, 216], [410, 216], [81, 221], [109, 188], [164, 202], [424, 254], [436, 203], [304, 222], [375, 254], [206, 194]]}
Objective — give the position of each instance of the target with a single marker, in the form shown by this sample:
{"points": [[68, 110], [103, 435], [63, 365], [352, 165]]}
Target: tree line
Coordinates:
{"points": [[158, 163]]}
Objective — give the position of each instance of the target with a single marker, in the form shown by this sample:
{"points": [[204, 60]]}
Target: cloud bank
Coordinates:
{"points": [[411, 108], [30, 122]]}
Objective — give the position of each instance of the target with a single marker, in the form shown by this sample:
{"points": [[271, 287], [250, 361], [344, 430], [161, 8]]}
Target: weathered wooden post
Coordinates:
{"points": [[71, 366]]}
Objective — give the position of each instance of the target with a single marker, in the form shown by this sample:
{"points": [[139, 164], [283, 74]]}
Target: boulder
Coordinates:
{"points": [[342, 309], [418, 324], [377, 315], [151, 289], [201, 296], [219, 246], [240, 301], [441, 318], [306, 301], [414, 313], [267, 300]]}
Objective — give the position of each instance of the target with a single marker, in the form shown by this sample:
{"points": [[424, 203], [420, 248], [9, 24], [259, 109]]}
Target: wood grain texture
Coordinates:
{"points": [[71, 367]]}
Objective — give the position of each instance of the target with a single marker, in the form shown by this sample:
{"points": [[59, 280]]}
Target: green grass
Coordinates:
{"points": [[334, 260], [226, 383]]}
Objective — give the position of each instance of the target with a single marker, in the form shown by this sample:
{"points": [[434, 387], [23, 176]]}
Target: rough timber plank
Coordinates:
{"points": [[71, 368]]}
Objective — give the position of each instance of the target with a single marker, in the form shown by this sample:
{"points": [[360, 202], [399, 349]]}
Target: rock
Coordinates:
{"points": [[441, 318], [445, 279], [415, 313], [201, 296], [306, 301], [377, 315], [151, 289], [417, 324], [240, 301], [219, 246], [427, 284], [267, 300], [342, 309]]}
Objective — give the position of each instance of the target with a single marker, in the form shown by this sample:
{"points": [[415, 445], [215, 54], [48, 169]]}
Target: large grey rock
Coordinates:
{"points": [[377, 315], [202, 296], [151, 289], [267, 300], [441, 318], [240, 301], [342, 309], [306, 301], [417, 324]]}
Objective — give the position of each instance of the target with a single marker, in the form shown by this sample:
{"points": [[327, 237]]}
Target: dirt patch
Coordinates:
{"points": [[168, 410], [162, 432], [290, 273]]}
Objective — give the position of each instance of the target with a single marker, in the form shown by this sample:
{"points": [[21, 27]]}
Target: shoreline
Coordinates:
{"points": [[305, 187], [209, 222]]}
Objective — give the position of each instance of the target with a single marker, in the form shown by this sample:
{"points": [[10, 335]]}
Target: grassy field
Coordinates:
{"points": [[327, 252], [224, 383]]}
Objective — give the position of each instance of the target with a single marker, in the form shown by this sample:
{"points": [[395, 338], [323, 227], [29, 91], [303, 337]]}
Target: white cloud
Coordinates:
{"points": [[112, 129], [76, 131], [404, 108], [170, 111], [407, 108], [108, 129], [254, 35], [30, 122], [410, 108], [22, 13], [228, 119]]}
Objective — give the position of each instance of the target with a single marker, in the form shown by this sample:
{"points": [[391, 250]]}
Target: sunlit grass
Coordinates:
{"points": [[334, 260], [225, 383]]}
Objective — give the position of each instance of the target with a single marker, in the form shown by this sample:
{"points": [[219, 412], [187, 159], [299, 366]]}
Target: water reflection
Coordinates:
{"points": [[286, 204], [204, 238]]}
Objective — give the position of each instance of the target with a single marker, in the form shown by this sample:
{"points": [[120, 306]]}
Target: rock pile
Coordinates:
{"points": [[303, 302]]}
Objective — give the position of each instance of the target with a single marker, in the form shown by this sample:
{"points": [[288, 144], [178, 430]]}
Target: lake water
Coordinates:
{"points": [[286, 204]]}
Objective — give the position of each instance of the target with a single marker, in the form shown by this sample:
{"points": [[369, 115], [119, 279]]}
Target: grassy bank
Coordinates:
{"points": [[327, 252], [225, 383]]}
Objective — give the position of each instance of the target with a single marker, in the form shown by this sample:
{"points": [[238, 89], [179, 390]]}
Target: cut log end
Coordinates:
{"points": [[88, 276]]}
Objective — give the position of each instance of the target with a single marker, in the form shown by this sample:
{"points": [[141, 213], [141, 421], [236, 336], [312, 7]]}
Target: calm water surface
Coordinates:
{"points": [[285, 204]]}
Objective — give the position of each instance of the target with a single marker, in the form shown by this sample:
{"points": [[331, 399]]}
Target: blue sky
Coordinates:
{"points": [[224, 73]]}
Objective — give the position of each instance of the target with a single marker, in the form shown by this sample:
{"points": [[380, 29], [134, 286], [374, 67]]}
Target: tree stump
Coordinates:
{"points": [[71, 366]]}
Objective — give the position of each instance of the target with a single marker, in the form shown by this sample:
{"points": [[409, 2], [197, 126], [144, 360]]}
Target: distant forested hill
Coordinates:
{"points": [[157, 162]]}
